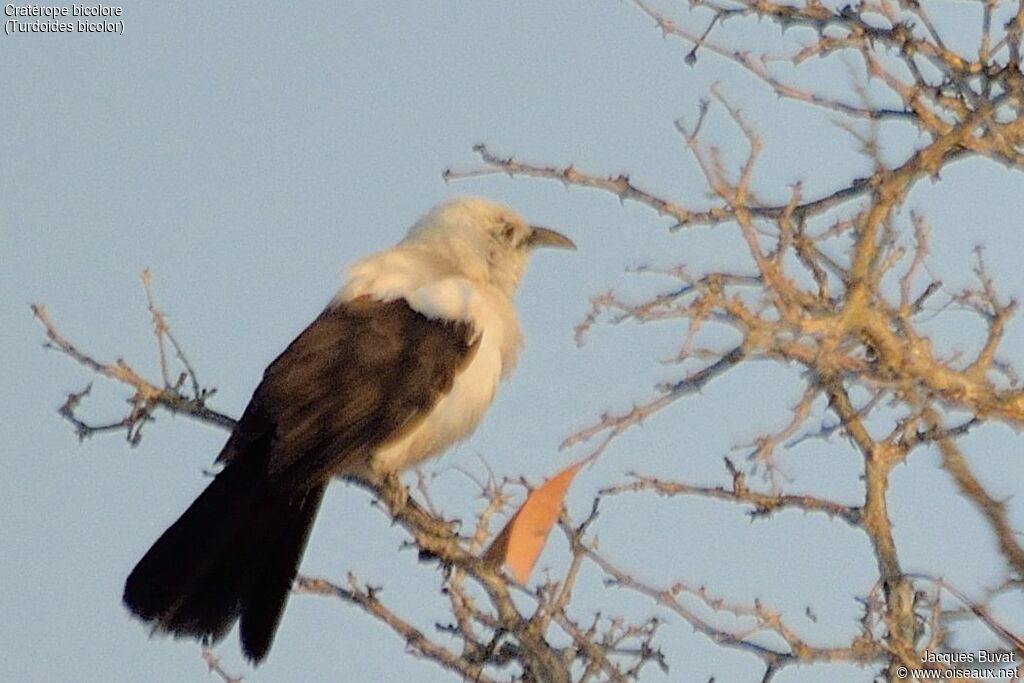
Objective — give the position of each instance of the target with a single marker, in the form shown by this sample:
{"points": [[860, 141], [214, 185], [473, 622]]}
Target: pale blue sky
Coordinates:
{"points": [[245, 153]]}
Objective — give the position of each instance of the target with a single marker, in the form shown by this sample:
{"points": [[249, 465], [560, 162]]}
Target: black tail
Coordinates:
{"points": [[232, 555]]}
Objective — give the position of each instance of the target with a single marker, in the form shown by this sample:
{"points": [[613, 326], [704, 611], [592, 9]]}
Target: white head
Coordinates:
{"points": [[486, 241]]}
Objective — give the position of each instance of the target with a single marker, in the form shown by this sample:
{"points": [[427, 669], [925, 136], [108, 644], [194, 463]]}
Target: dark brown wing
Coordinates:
{"points": [[361, 373]]}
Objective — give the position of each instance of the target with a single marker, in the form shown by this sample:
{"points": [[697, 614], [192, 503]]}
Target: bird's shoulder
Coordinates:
{"points": [[363, 371], [369, 334]]}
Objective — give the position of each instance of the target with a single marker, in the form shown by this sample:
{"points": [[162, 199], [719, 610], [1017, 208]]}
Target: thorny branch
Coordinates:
{"points": [[856, 339], [848, 318], [147, 396], [491, 633]]}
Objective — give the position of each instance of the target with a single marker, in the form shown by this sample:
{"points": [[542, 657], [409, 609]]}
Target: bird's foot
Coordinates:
{"points": [[394, 492]]}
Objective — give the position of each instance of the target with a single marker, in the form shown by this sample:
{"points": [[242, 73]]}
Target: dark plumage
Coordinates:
{"points": [[402, 365], [361, 375]]}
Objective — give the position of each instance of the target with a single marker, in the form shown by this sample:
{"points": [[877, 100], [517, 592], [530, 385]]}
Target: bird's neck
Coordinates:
{"points": [[434, 285]]}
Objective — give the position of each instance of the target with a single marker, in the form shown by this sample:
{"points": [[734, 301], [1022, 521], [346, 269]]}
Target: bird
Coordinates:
{"points": [[401, 364]]}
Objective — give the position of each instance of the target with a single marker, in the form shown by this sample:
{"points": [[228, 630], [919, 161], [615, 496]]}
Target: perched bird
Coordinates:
{"points": [[400, 365]]}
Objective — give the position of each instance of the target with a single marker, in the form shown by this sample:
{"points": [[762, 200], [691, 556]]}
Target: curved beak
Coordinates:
{"points": [[546, 237]]}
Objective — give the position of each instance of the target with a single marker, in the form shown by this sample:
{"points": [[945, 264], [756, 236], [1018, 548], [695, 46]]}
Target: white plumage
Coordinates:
{"points": [[402, 364], [451, 267]]}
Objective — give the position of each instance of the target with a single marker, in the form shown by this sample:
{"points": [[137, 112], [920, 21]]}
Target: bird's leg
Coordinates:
{"points": [[386, 486], [394, 492], [405, 509], [434, 533]]}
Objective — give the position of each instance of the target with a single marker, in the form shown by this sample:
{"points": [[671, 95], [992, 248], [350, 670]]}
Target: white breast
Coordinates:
{"points": [[491, 315], [453, 418]]}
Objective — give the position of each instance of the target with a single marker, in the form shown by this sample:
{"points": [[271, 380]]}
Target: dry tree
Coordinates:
{"points": [[834, 288]]}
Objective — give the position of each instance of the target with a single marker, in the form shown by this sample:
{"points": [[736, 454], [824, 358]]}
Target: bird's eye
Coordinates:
{"points": [[508, 232]]}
